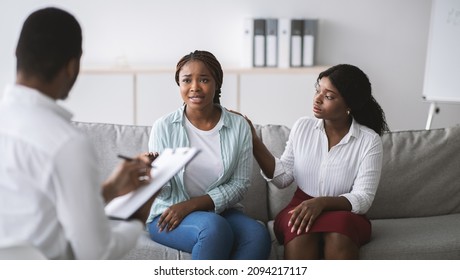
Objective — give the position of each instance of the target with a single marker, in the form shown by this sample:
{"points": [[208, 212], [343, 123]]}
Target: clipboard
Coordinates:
{"points": [[164, 167]]}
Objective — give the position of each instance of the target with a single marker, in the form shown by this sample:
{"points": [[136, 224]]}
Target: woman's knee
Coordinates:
{"points": [[339, 246], [214, 239], [216, 230], [257, 234], [303, 247]]}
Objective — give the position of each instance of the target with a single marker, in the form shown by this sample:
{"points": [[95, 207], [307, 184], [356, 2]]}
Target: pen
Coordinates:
{"points": [[125, 157], [151, 156]]}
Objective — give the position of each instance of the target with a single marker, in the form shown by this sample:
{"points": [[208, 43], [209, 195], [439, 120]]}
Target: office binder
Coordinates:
{"points": [[309, 41], [271, 42], [259, 43], [296, 42], [284, 45], [248, 38]]}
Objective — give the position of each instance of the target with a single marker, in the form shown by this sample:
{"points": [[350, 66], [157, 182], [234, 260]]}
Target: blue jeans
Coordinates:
{"points": [[210, 236]]}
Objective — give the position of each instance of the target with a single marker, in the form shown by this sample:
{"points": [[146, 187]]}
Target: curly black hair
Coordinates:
{"points": [[355, 87]]}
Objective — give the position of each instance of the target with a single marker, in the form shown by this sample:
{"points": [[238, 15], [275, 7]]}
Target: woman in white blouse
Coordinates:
{"points": [[336, 160]]}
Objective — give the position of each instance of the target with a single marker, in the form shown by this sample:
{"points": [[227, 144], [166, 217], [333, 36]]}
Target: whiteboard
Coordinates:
{"points": [[442, 69]]}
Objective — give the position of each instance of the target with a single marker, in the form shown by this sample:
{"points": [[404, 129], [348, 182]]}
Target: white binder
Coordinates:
{"points": [[284, 42], [259, 43], [248, 39], [296, 42], [309, 41], [271, 42]]}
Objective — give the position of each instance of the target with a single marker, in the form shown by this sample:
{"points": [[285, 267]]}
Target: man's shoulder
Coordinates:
{"points": [[57, 134]]}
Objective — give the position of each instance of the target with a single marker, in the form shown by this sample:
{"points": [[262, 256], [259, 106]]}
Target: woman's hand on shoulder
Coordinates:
{"points": [[253, 130]]}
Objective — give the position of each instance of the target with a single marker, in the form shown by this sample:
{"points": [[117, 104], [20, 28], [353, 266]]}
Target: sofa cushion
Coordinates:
{"points": [[146, 249], [275, 137], [255, 201], [109, 140], [420, 174], [426, 238]]}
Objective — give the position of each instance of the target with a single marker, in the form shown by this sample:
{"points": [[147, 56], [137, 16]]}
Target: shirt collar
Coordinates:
{"points": [[20, 94], [353, 132], [179, 115]]}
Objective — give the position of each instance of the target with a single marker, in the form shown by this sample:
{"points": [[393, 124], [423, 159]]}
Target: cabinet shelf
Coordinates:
{"points": [[153, 70], [140, 95]]}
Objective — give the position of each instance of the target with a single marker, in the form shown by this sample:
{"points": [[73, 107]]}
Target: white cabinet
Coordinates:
{"points": [[140, 96], [156, 95], [101, 97], [272, 98]]}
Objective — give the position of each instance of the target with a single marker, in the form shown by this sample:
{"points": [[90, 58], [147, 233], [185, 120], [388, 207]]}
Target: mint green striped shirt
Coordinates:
{"points": [[236, 150]]}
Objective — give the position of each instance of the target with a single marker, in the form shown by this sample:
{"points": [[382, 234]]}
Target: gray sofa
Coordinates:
{"points": [[415, 214]]}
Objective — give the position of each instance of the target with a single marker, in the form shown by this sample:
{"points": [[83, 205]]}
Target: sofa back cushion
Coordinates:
{"points": [[420, 175], [255, 201], [275, 138], [109, 140]]}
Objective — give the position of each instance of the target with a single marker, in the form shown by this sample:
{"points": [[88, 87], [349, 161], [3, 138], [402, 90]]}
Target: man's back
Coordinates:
{"points": [[49, 193]]}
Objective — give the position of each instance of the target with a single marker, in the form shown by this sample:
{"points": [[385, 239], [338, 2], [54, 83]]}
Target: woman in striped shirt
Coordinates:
{"points": [[199, 210], [336, 160]]}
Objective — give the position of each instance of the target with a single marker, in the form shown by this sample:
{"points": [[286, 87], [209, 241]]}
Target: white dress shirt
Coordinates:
{"points": [[351, 168], [50, 190]]}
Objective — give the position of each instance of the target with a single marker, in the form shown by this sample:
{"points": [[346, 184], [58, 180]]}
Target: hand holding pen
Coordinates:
{"points": [[129, 175], [143, 176]]}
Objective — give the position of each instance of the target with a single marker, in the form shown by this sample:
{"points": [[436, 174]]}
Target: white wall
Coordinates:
{"points": [[386, 38]]}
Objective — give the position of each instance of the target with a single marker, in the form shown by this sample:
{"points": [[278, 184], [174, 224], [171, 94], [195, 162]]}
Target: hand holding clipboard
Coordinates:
{"points": [[164, 167]]}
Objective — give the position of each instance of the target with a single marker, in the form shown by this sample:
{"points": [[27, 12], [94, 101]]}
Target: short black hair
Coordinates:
{"points": [[49, 39]]}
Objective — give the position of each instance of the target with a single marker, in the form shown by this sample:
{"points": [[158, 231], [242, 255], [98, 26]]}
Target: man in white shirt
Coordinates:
{"points": [[50, 191]]}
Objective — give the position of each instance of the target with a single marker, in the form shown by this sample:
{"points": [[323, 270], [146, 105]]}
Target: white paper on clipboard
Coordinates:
{"points": [[164, 167]]}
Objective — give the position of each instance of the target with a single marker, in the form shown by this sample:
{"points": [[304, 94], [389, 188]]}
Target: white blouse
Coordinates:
{"points": [[351, 168]]}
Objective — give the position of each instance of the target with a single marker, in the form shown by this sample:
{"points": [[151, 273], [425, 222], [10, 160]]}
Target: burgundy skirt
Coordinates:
{"points": [[356, 227]]}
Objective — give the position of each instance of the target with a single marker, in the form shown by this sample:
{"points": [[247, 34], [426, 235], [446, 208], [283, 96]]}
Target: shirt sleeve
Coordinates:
{"points": [[80, 207], [227, 195], [154, 140], [367, 180]]}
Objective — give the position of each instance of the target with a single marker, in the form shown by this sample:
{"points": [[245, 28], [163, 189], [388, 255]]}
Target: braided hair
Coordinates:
{"points": [[355, 87], [211, 62]]}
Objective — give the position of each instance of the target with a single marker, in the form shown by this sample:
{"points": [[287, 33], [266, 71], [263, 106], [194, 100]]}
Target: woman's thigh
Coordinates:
{"points": [[205, 235]]}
